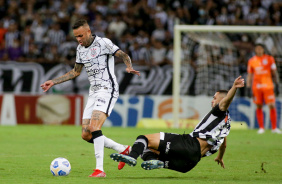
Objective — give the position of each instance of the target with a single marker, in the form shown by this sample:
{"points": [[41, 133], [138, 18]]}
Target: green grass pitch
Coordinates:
{"points": [[26, 153]]}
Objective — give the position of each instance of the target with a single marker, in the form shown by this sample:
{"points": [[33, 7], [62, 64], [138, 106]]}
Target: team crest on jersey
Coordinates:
{"points": [[93, 52], [264, 61]]}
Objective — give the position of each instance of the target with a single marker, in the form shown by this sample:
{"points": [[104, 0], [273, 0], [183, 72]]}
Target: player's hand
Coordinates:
{"points": [[239, 82], [47, 85], [219, 161], [131, 70], [249, 92], [276, 90]]}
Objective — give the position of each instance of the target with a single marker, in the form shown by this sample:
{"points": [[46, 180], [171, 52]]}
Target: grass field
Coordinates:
{"points": [[27, 151]]}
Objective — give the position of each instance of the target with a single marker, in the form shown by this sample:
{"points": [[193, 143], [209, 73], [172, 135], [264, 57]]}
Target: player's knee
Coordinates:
{"points": [[142, 137], [271, 106], [86, 136], [259, 106]]}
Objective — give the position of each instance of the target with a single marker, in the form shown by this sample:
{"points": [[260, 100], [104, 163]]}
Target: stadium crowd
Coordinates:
{"points": [[40, 31]]}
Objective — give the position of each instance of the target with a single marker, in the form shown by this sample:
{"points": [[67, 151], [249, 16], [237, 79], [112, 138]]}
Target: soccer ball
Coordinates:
{"points": [[60, 167]]}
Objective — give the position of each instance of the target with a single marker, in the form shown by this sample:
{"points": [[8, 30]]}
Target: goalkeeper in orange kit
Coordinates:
{"points": [[264, 80]]}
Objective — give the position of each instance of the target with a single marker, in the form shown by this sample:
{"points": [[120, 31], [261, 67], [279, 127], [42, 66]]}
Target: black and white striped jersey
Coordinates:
{"points": [[98, 60], [213, 127]]}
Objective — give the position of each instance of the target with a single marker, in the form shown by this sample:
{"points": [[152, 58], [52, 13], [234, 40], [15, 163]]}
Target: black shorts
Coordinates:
{"points": [[179, 152]]}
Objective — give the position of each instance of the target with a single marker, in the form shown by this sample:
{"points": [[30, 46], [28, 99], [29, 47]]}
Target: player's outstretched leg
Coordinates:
{"points": [[123, 158], [152, 164], [125, 152]]}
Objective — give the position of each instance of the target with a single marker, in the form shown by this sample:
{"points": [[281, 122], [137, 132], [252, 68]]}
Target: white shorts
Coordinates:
{"points": [[104, 102]]}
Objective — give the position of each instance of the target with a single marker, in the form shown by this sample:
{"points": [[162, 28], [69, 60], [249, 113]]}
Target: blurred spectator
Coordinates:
{"points": [[145, 56], [99, 25], [2, 33], [202, 19], [222, 18], [27, 38], [11, 35], [64, 16], [39, 30], [14, 51], [102, 7], [51, 54], [117, 26], [3, 52], [229, 57], [159, 32], [134, 52], [13, 11], [3, 8], [275, 14], [33, 55], [68, 46], [171, 20], [268, 42], [158, 53], [56, 36], [160, 13], [184, 16], [129, 23]]}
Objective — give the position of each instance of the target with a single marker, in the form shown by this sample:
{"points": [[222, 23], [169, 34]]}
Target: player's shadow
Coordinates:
{"points": [[153, 177]]}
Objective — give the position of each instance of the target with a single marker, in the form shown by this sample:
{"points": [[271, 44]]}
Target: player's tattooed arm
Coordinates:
{"points": [[70, 75], [126, 59]]}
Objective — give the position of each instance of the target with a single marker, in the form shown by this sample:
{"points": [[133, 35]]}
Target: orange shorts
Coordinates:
{"points": [[263, 95]]}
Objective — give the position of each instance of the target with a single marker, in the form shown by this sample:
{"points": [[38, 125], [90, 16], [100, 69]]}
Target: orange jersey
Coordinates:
{"points": [[261, 68]]}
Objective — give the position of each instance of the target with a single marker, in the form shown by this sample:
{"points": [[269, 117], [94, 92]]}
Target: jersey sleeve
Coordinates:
{"points": [[272, 63], [110, 47], [77, 58]]}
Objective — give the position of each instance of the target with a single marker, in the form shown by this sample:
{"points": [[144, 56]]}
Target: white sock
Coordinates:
{"points": [[99, 152], [109, 143]]}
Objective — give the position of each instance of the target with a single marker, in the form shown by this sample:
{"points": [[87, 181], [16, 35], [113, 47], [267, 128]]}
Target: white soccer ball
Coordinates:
{"points": [[60, 167]]}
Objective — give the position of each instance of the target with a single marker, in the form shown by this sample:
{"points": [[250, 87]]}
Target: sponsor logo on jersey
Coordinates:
{"points": [[264, 61], [96, 87], [102, 100], [166, 164], [167, 147]]}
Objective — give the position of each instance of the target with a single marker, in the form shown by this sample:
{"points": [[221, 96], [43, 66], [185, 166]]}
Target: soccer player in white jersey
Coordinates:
{"points": [[182, 152], [96, 54]]}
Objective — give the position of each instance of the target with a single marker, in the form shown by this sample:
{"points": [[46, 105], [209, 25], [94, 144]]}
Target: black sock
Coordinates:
{"points": [[149, 155], [95, 134], [140, 144]]}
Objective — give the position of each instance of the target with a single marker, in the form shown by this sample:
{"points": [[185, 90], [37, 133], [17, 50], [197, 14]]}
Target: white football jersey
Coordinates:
{"points": [[99, 63]]}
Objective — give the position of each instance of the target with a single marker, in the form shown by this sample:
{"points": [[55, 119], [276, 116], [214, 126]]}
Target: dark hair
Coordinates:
{"points": [[223, 91], [79, 23], [259, 44]]}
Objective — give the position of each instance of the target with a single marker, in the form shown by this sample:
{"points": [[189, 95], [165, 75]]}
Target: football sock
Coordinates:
{"points": [[139, 146], [260, 118], [109, 143], [98, 148], [149, 155], [273, 118]]}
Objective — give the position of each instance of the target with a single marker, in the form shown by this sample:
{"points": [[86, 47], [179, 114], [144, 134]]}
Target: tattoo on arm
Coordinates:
{"points": [[78, 67], [70, 75], [126, 59]]}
